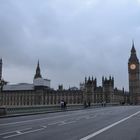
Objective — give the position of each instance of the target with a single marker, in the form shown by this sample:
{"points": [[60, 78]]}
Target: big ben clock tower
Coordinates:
{"points": [[134, 77]]}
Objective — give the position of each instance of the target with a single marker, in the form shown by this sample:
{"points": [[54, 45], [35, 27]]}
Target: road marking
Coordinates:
{"points": [[43, 126], [86, 117], [91, 117], [108, 127], [27, 132], [5, 124], [65, 123], [82, 117], [15, 131], [54, 123], [18, 132]]}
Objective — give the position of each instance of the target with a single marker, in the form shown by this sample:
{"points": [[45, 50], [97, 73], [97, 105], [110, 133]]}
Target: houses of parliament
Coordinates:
{"points": [[40, 92]]}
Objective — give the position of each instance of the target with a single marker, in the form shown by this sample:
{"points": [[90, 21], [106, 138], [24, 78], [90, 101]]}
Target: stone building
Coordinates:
{"points": [[38, 93], [41, 93], [105, 93], [134, 76]]}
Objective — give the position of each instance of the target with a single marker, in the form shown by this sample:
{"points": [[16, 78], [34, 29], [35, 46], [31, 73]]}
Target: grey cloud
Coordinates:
{"points": [[72, 39]]}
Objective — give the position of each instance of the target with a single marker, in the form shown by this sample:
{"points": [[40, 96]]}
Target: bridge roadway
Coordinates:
{"points": [[108, 123]]}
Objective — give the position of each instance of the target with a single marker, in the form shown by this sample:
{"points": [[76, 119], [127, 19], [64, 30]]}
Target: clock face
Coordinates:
{"points": [[132, 66]]}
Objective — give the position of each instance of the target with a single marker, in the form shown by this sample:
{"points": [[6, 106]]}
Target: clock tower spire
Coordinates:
{"points": [[134, 76], [133, 57]]}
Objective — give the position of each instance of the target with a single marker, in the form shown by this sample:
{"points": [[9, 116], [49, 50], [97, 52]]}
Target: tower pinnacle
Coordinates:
{"points": [[0, 68], [38, 73], [133, 48], [133, 57]]}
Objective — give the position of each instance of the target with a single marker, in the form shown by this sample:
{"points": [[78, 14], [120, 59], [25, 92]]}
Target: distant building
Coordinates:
{"points": [[134, 77], [73, 88], [105, 93], [40, 92]]}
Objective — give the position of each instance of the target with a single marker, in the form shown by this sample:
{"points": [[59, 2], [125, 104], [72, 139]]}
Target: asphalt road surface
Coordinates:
{"points": [[108, 123]]}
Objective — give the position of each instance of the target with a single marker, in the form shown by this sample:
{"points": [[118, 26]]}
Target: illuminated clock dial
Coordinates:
{"points": [[132, 66]]}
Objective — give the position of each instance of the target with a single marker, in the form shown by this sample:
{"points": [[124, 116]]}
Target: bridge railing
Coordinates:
{"points": [[19, 110]]}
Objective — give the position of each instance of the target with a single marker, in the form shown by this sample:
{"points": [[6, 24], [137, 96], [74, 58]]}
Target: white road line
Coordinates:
{"points": [[44, 126], [38, 119], [86, 117], [81, 117], [15, 131], [108, 127], [54, 123], [65, 123], [91, 117], [22, 133], [5, 124], [18, 132]]}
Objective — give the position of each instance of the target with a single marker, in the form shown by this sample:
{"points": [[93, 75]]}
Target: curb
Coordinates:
{"points": [[36, 113]]}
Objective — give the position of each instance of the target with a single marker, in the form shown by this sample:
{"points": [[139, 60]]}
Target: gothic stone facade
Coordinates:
{"points": [[134, 77], [40, 93], [105, 93]]}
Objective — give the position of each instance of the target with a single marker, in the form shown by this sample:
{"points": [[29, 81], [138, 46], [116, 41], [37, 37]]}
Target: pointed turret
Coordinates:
{"points": [[92, 78], [38, 73], [85, 79], [89, 79], [133, 56], [0, 69], [133, 50]]}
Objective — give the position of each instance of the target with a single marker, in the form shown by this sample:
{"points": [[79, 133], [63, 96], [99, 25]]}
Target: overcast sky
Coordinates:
{"points": [[71, 38]]}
